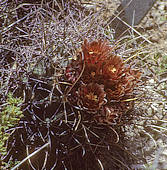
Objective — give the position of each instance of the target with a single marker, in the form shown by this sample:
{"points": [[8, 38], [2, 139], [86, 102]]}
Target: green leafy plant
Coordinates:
{"points": [[9, 116]]}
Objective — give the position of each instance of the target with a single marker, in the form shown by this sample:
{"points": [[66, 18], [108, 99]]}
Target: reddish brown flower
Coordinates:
{"points": [[96, 51], [113, 68], [91, 96], [108, 82], [119, 80], [92, 73], [121, 89]]}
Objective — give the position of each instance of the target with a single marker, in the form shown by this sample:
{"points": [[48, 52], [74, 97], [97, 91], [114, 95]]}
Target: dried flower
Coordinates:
{"points": [[107, 115]]}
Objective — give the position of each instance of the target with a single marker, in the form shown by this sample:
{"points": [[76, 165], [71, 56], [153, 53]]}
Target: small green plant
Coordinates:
{"points": [[9, 116], [162, 60], [163, 64]]}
